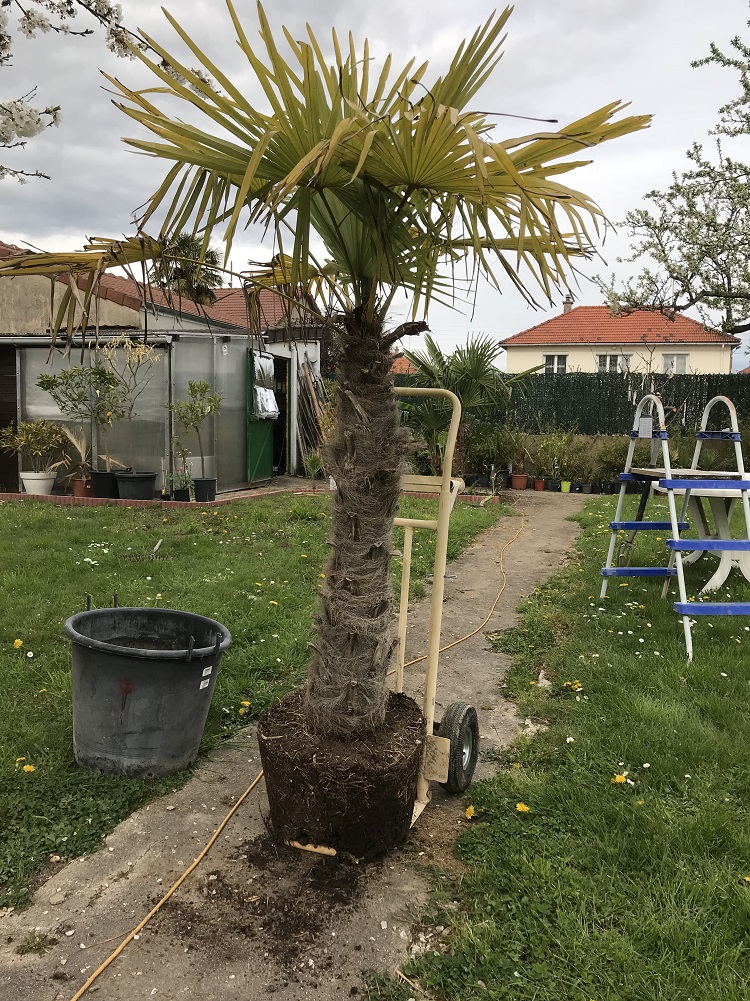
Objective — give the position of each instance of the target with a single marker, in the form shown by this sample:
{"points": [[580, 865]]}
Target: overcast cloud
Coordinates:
{"points": [[563, 59]]}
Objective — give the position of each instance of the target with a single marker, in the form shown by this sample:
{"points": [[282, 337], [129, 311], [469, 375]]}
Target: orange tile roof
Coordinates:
{"points": [[229, 307], [597, 325], [402, 366]]}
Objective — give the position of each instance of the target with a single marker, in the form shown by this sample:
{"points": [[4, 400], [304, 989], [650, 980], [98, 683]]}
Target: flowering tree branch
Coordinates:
{"points": [[20, 119]]}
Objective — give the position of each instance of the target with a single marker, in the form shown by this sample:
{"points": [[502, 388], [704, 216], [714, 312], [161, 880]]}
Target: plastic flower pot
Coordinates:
{"points": [[142, 684], [539, 483], [205, 489], [104, 484], [565, 486], [38, 483], [136, 486], [519, 481]]}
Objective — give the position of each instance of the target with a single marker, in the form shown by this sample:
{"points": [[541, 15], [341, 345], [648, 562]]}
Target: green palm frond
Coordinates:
{"points": [[402, 182], [393, 173]]}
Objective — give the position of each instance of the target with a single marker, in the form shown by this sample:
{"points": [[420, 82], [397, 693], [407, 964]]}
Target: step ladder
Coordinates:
{"points": [[617, 564], [704, 480]]}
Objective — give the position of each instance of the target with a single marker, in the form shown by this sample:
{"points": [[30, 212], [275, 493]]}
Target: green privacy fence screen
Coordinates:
{"points": [[604, 403]]}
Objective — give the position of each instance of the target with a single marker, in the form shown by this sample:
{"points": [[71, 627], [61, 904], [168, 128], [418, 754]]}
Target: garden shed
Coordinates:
{"points": [[253, 437]]}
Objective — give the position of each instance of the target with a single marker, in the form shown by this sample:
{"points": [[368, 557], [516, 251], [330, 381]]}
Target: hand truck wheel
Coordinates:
{"points": [[461, 726]]}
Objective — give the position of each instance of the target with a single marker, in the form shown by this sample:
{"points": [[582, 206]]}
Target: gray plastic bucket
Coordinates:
{"points": [[142, 684]]}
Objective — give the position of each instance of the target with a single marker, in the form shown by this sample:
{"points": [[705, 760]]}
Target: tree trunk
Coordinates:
{"points": [[354, 650]]}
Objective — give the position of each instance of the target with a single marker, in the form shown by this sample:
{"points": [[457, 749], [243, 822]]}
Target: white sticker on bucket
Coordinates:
{"points": [[207, 670], [205, 683]]}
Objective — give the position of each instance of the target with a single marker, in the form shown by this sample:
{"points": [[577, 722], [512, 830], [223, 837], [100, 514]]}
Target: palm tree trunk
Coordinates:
{"points": [[354, 649]]}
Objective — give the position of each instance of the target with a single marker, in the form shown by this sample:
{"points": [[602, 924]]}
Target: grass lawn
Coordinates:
{"points": [[253, 565], [609, 859]]}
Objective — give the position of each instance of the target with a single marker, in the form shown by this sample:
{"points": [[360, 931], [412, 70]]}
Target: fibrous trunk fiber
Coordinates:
{"points": [[355, 644]]}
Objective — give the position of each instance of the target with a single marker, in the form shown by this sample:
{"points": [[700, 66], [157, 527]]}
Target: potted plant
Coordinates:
{"points": [[545, 457], [181, 480], [518, 442], [130, 362], [93, 393], [201, 402], [38, 443], [80, 467]]}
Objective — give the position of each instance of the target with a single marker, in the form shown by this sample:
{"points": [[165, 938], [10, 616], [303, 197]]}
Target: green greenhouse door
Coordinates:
{"points": [[259, 435]]}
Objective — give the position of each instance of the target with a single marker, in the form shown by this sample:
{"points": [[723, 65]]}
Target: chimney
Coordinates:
{"points": [[567, 303]]}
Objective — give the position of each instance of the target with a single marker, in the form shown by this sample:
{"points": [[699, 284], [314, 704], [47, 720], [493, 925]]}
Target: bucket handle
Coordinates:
{"points": [[191, 644]]}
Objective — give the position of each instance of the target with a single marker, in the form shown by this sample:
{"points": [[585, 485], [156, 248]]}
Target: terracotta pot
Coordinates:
{"points": [[83, 488], [519, 481], [539, 483]]}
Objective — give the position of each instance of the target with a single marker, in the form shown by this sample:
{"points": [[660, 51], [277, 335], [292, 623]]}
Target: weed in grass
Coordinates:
{"points": [[34, 942], [241, 564]]}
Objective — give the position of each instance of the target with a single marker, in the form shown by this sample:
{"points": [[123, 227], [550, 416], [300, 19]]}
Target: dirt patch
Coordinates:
{"points": [[255, 919], [272, 898]]}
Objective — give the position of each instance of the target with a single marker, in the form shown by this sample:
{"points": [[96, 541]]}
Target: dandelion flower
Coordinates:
{"points": [[29, 768], [303, 556], [17, 644], [618, 780], [273, 602], [522, 808], [470, 812], [19, 760], [244, 703]]}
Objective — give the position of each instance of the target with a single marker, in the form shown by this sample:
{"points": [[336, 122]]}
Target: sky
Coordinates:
{"points": [[563, 59]]}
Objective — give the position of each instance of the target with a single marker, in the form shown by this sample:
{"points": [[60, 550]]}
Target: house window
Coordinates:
{"points": [[614, 363], [555, 364], [674, 364]]}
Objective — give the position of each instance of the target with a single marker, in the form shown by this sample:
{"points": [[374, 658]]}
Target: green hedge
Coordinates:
{"points": [[604, 403], [594, 403]]}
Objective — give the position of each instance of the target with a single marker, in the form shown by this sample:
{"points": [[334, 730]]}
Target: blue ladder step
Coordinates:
{"points": [[728, 545], [719, 436], [714, 484], [647, 526], [638, 571], [712, 607]]}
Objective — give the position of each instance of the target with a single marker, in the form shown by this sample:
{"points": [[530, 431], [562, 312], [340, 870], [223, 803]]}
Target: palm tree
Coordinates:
{"points": [[469, 372], [404, 187], [189, 269]]}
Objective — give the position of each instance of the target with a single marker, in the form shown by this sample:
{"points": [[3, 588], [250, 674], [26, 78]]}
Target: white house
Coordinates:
{"points": [[592, 339]]}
